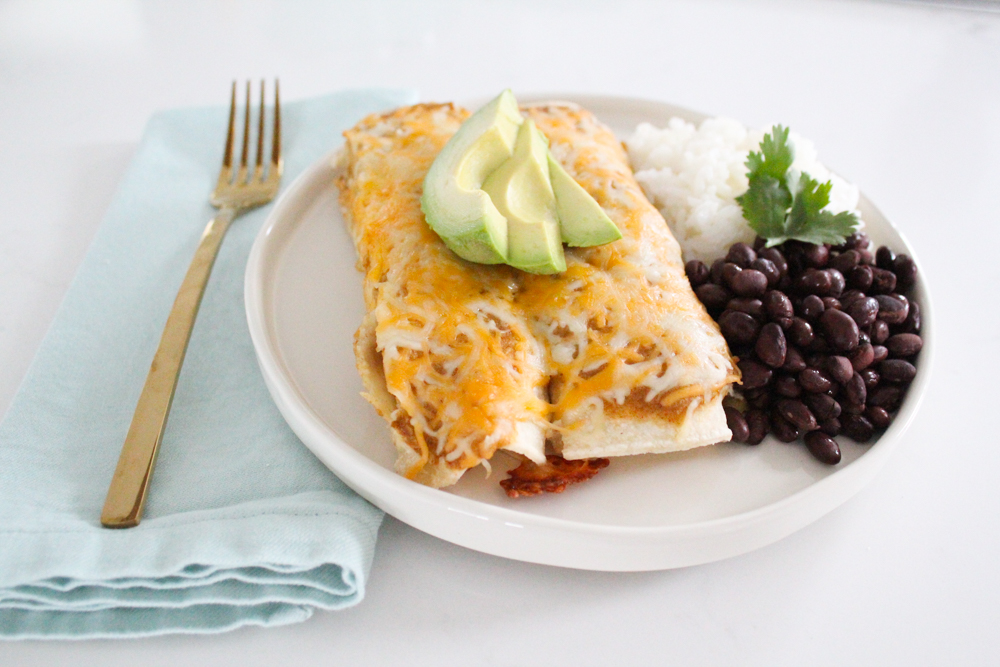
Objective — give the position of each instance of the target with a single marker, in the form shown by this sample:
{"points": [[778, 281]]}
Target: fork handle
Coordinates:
{"points": [[127, 494]]}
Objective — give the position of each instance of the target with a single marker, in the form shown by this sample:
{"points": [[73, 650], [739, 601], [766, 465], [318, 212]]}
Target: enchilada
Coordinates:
{"points": [[614, 356]]}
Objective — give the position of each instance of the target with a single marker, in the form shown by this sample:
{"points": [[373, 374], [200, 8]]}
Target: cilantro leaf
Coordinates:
{"points": [[775, 156], [765, 204], [807, 221], [777, 214], [808, 202]]}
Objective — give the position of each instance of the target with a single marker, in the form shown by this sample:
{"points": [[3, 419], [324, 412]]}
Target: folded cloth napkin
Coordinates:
{"points": [[243, 526]]}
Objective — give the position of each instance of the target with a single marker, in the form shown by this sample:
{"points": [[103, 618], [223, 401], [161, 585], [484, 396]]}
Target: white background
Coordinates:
{"points": [[902, 98]]}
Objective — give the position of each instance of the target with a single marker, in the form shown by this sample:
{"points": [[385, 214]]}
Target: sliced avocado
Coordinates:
{"points": [[582, 221], [521, 190], [453, 200]]}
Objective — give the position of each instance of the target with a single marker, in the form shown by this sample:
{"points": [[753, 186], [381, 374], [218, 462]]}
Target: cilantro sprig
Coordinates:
{"points": [[778, 214]]}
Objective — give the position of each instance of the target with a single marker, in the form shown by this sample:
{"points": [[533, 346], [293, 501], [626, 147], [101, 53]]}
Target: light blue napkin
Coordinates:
{"points": [[243, 526]]}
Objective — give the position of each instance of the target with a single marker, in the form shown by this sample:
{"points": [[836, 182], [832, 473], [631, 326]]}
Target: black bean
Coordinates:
{"points": [[811, 307], [755, 374], [816, 255], [871, 378], [794, 363], [771, 346], [912, 322], [749, 282], [823, 406], [881, 353], [737, 424], [814, 380], [904, 345], [884, 257], [849, 297], [728, 271], [863, 357], [715, 297], [867, 258], [778, 305], [768, 268], [897, 370], [906, 272], [845, 261], [886, 396], [857, 241], [741, 254], [800, 332], [759, 243], [864, 338], [814, 281], [738, 328], [841, 330], [855, 392], [837, 282], [758, 425], [860, 278], [787, 386], [776, 257], [716, 270], [891, 309], [832, 302], [783, 322], [880, 330], [883, 281], [879, 417], [839, 368], [857, 428], [782, 429], [752, 307], [697, 272], [864, 311], [823, 447], [831, 427]]}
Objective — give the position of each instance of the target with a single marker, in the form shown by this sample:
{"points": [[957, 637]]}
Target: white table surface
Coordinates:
{"points": [[904, 99]]}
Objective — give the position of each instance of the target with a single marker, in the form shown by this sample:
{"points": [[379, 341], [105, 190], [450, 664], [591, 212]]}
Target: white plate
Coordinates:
{"points": [[304, 302]]}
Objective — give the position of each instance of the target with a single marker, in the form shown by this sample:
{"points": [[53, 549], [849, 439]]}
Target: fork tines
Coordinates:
{"points": [[243, 174]]}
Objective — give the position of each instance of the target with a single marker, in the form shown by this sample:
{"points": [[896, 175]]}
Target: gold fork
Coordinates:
{"points": [[233, 195]]}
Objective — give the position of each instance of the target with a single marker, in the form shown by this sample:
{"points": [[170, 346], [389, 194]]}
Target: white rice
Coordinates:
{"points": [[694, 174]]}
